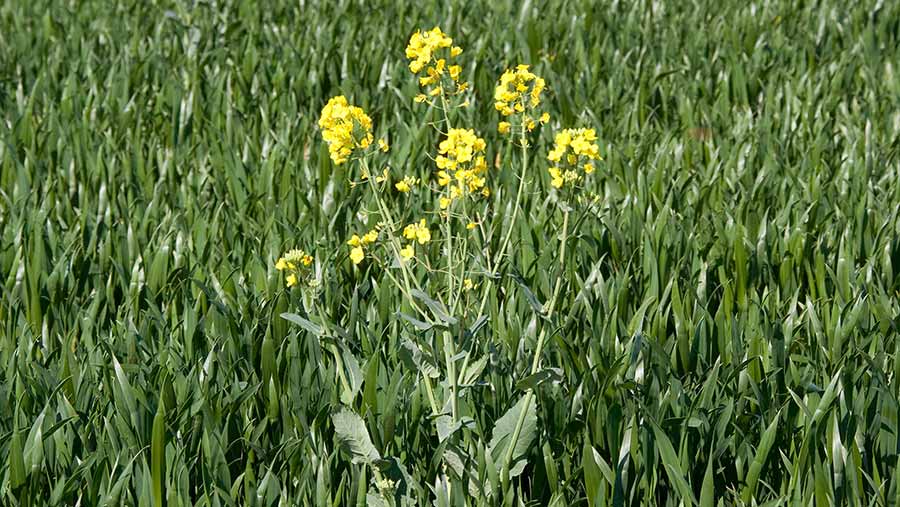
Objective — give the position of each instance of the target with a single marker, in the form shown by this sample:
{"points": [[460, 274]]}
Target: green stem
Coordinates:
{"points": [[449, 344], [505, 244], [512, 223], [429, 390], [535, 363]]}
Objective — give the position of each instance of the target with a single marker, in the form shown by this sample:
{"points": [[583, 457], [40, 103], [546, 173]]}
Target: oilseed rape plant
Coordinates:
{"points": [[445, 288], [555, 253]]}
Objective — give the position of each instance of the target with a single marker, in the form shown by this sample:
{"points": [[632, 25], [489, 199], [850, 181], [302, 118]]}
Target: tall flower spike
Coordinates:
{"points": [[461, 165], [573, 149], [431, 54], [518, 93], [345, 127]]}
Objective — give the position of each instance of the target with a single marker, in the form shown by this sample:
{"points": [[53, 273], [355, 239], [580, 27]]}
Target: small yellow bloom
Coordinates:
{"points": [[420, 98], [418, 231], [588, 168], [556, 177], [370, 237], [383, 145], [357, 255], [545, 118], [354, 240], [402, 186], [468, 284], [296, 262], [407, 252], [445, 202], [471, 225], [503, 127]]}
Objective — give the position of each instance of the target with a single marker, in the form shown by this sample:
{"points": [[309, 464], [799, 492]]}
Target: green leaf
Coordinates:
{"points": [[158, 454], [353, 436], [502, 434], [673, 466], [762, 452], [533, 381], [436, 307], [304, 323]]}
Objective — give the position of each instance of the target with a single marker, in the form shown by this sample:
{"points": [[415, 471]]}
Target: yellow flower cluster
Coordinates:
{"points": [[519, 92], [345, 128], [430, 52], [415, 232], [358, 243], [461, 154], [573, 148], [406, 184], [297, 264]]}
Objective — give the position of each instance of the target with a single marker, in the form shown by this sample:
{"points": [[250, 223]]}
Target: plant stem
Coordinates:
{"points": [[512, 222], [505, 243], [535, 363], [449, 345]]}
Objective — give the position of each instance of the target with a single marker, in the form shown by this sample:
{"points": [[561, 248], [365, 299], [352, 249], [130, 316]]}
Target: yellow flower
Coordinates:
{"points": [[296, 262], [460, 159], [422, 45], [420, 98], [345, 128], [357, 255], [545, 118], [406, 184], [418, 231], [370, 237], [383, 145], [471, 225], [518, 90], [430, 52], [556, 177], [354, 240], [407, 252], [468, 284], [503, 127], [574, 147]]}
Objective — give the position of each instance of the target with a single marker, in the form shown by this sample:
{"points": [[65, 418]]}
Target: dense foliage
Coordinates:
{"points": [[725, 330]]}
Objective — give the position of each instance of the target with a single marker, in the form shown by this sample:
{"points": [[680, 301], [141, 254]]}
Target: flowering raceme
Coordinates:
{"points": [[431, 53], [461, 165], [574, 149], [297, 264], [345, 128], [519, 93]]}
